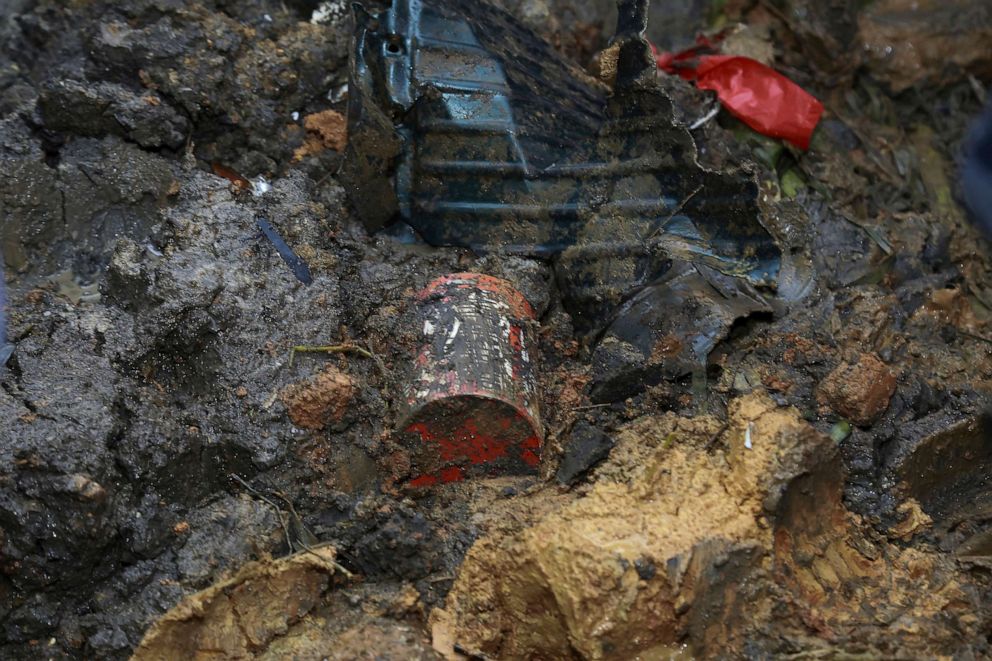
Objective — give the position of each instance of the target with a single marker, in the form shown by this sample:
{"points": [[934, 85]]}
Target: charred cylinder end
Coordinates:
{"points": [[468, 436], [471, 398]]}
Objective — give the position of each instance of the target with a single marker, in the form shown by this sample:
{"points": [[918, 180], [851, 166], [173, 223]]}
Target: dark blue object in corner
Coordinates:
{"points": [[976, 173], [5, 349]]}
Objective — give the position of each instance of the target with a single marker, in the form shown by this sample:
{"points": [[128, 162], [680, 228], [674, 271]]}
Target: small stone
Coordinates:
{"points": [[840, 431], [860, 392], [85, 488], [181, 528], [646, 569]]}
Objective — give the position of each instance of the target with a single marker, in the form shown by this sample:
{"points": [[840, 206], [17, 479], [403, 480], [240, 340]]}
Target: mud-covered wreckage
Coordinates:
{"points": [[470, 129]]}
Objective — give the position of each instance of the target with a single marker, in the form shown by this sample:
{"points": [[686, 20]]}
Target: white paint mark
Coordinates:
{"points": [[428, 327], [747, 436], [454, 331]]}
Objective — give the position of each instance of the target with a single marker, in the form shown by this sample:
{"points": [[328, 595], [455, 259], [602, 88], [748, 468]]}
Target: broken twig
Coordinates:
{"points": [[279, 514], [329, 349]]}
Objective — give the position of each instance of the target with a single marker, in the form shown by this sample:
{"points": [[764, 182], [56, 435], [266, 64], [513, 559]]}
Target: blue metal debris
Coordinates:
{"points": [[474, 131]]}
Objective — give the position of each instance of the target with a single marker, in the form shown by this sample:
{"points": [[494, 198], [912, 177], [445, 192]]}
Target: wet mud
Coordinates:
{"points": [[191, 435]]}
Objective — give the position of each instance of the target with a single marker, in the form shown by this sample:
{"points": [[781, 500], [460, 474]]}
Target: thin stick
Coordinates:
{"points": [[311, 548], [705, 118], [588, 407], [282, 521]]}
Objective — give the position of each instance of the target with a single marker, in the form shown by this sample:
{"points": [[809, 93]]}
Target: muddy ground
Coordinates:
{"points": [[818, 489]]}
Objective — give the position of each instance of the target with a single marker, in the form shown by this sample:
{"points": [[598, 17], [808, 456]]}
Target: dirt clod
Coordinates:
{"points": [[327, 129], [860, 391], [321, 400]]}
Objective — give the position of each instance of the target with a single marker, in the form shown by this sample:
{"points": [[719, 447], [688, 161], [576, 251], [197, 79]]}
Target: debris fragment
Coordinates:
{"points": [[587, 446], [293, 261], [260, 186], [753, 92], [860, 391], [240, 183], [329, 11], [319, 401], [840, 431], [471, 401], [669, 329]]}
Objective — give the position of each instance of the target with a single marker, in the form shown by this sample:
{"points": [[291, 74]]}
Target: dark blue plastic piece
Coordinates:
{"points": [[297, 265]]}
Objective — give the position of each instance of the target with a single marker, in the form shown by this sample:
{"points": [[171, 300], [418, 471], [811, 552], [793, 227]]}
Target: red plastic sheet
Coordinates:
{"points": [[758, 95]]}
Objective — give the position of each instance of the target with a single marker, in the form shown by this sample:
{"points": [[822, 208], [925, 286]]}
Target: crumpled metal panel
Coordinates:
{"points": [[474, 131]]}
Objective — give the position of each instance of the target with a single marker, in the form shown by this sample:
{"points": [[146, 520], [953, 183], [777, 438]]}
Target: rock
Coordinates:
{"points": [[240, 617], [128, 280], [678, 545], [860, 392], [320, 401], [587, 447], [85, 488]]}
